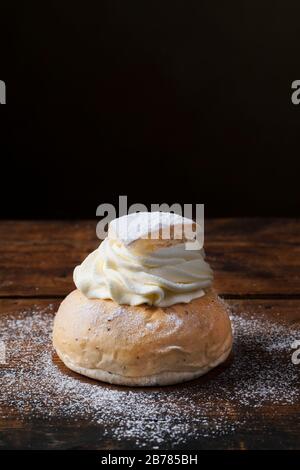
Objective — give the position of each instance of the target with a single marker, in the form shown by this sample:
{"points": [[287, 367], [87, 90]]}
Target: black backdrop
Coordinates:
{"points": [[169, 101]]}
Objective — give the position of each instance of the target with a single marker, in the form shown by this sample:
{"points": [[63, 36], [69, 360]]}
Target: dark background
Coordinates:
{"points": [[169, 101]]}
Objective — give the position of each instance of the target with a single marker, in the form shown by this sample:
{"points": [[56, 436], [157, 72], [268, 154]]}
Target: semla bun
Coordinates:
{"points": [[142, 345]]}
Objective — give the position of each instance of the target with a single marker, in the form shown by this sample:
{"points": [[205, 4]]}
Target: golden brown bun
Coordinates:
{"points": [[142, 345]]}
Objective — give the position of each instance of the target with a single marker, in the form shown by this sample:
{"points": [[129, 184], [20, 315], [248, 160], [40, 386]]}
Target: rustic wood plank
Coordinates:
{"points": [[250, 256], [242, 404], [37, 258]]}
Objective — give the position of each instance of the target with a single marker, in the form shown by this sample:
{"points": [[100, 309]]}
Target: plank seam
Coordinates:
{"points": [[225, 296]]}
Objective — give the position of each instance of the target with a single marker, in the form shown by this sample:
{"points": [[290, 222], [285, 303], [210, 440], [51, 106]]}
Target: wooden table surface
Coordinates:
{"points": [[257, 270]]}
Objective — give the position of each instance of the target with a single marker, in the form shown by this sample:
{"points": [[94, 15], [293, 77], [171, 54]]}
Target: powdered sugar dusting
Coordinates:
{"points": [[138, 225], [259, 373]]}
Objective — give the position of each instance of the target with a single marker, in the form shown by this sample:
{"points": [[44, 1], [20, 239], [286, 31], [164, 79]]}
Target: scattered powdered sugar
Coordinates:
{"points": [[260, 372]]}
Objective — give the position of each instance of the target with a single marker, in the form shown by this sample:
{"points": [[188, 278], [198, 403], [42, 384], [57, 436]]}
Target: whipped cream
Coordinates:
{"points": [[159, 277]]}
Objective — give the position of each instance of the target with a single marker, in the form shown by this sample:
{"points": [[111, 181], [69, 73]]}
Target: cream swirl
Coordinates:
{"points": [[162, 278]]}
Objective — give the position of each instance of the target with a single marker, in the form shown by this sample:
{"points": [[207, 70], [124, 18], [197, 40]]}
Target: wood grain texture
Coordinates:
{"points": [[249, 256], [270, 426]]}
